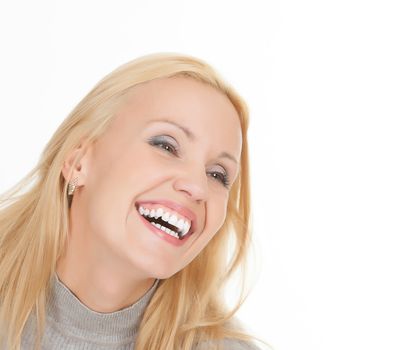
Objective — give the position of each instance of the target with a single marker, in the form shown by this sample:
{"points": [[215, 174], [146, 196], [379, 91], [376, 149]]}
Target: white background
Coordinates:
{"points": [[324, 82]]}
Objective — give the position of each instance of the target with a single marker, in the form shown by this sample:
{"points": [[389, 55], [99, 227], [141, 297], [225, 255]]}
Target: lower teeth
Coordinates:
{"points": [[170, 232]]}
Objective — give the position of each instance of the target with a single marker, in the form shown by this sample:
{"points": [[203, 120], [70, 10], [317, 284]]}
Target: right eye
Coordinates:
{"points": [[162, 142]]}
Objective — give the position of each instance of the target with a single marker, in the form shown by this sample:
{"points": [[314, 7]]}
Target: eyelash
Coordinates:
{"points": [[158, 142], [223, 177]]}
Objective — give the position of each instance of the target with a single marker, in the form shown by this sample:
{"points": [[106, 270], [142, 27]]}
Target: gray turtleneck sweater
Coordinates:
{"points": [[71, 325]]}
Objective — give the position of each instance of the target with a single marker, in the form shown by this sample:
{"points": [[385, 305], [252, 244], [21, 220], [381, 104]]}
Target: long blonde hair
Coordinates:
{"points": [[34, 225]]}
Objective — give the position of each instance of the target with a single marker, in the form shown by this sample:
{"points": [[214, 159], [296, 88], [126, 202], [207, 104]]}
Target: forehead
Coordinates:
{"points": [[204, 110]]}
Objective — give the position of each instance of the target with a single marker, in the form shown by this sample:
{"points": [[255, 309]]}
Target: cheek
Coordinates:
{"points": [[148, 168], [216, 213]]}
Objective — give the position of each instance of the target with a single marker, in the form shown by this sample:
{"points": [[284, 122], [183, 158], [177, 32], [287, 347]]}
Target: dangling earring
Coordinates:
{"points": [[72, 186]]}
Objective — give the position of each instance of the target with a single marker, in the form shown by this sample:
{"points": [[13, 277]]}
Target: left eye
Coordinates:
{"points": [[222, 177], [162, 143]]}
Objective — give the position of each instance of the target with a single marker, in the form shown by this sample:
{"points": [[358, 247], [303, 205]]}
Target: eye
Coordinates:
{"points": [[220, 176], [164, 143]]}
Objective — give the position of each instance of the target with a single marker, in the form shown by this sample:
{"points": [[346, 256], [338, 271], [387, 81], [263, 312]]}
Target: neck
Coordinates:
{"points": [[103, 286]]}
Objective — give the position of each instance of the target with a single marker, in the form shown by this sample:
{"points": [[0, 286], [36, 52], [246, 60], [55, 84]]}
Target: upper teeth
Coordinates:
{"points": [[183, 225]]}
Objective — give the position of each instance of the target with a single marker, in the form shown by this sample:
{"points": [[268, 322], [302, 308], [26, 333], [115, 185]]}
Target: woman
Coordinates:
{"points": [[121, 236]]}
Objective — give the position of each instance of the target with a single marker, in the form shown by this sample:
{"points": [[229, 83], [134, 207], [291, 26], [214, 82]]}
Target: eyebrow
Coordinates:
{"points": [[192, 137]]}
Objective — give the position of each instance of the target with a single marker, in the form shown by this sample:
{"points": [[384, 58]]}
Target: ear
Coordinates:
{"points": [[81, 156]]}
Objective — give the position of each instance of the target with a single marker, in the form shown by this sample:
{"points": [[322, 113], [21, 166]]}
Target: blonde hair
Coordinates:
{"points": [[34, 225]]}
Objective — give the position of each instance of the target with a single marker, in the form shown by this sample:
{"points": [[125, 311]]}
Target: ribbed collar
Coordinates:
{"points": [[75, 318]]}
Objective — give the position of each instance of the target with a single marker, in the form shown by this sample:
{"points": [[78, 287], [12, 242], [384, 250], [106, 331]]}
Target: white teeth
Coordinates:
{"points": [[186, 228], [166, 230], [179, 224], [183, 225], [172, 233], [172, 220]]}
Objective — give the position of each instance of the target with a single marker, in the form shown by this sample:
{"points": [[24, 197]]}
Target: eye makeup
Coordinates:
{"points": [[169, 144], [222, 176], [165, 142]]}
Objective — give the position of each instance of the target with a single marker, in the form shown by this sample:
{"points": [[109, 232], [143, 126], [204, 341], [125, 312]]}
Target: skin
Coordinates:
{"points": [[112, 258]]}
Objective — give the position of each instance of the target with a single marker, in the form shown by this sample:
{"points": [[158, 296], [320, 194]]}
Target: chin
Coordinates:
{"points": [[166, 273]]}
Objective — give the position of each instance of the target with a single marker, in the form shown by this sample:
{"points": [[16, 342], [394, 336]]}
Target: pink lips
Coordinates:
{"points": [[180, 209]]}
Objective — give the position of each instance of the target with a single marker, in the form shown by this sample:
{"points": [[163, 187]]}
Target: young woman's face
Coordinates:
{"points": [[173, 149]]}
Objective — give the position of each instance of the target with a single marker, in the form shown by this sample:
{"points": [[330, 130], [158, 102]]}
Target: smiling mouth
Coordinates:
{"points": [[168, 222], [163, 226]]}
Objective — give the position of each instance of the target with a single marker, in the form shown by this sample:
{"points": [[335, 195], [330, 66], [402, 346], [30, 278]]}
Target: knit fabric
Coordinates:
{"points": [[71, 325]]}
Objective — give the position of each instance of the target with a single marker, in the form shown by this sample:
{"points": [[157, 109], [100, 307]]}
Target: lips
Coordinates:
{"points": [[176, 207]]}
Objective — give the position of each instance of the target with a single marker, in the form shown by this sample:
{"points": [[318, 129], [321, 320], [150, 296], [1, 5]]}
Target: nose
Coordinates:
{"points": [[193, 184]]}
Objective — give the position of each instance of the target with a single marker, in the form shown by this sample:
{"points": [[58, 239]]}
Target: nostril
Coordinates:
{"points": [[194, 189]]}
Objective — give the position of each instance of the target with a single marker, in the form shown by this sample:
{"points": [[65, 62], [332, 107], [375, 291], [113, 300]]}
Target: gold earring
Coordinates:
{"points": [[72, 186]]}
